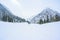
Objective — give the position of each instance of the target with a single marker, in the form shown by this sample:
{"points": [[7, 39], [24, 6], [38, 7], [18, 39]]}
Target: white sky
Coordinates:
{"points": [[29, 8]]}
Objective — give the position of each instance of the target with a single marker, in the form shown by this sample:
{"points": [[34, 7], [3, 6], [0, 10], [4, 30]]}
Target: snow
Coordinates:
{"points": [[43, 15], [24, 31]]}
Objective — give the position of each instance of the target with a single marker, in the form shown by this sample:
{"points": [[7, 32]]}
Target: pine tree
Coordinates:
{"points": [[28, 22], [7, 18], [47, 19], [57, 18], [51, 18], [40, 21], [10, 19], [23, 20], [4, 18]]}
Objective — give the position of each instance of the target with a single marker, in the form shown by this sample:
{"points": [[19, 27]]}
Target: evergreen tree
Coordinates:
{"points": [[4, 18], [7, 18], [10, 19], [28, 22], [40, 21], [22, 20], [47, 19], [57, 18]]}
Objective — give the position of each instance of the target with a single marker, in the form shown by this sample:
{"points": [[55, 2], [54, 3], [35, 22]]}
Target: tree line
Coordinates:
{"points": [[52, 19]]}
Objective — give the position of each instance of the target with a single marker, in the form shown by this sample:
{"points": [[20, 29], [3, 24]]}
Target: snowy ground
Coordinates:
{"points": [[23, 31]]}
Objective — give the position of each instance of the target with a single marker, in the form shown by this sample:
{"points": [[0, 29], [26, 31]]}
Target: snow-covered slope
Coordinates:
{"points": [[5, 13], [23, 31], [46, 14]]}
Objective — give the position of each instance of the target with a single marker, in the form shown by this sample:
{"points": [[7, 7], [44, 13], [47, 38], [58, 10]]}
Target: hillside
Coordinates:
{"points": [[46, 16], [7, 16]]}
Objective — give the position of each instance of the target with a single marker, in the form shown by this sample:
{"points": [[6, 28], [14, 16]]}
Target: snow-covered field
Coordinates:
{"points": [[24, 31]]}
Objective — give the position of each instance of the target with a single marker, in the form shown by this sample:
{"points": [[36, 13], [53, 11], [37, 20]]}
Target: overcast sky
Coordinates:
{"points": [[29, 8]]}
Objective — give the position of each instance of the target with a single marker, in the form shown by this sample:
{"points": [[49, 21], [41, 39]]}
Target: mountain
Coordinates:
{"points": [[7, 16], [47, 15]]}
